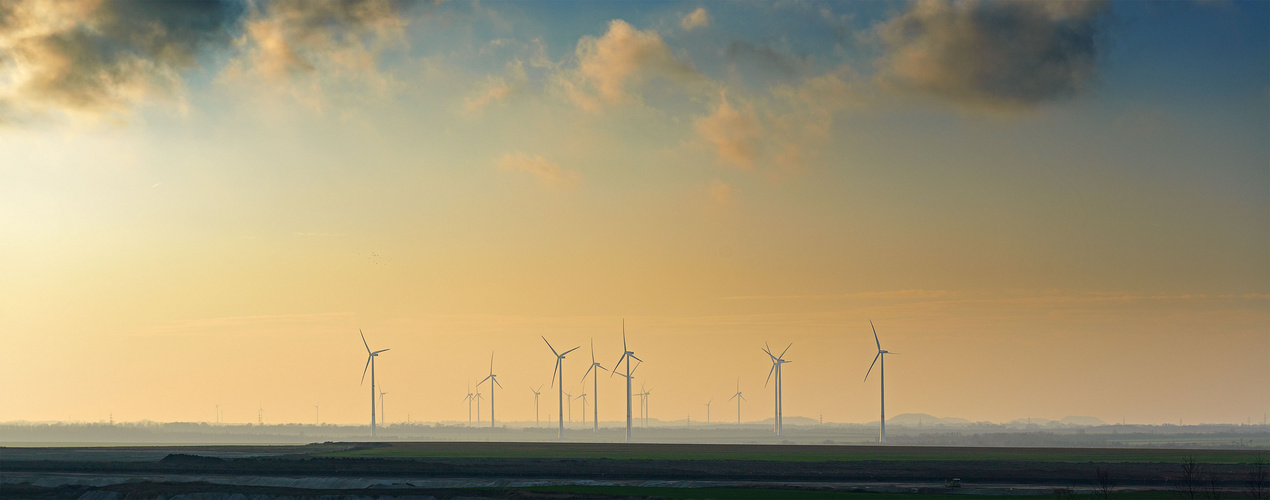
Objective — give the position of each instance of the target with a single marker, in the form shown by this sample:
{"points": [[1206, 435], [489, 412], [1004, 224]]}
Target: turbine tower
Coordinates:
{"points": [[383, 418], [536, 393], [708, 410], [559, 369], [570, 396], [738, 397], [595, 387], [479, 397], [627, 355], [370, 364], [882, 377], [469, 398], [493, 379], [777, 361]]}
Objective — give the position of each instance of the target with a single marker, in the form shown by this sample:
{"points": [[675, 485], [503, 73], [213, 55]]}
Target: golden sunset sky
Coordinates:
{"points": [[1047, 209]]}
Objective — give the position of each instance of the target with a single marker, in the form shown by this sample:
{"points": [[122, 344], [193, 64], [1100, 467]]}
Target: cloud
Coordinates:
{"points": [[548, 173], [766, 57], [496, 88], [1004, 55], [304, 47], [293, 37], [624, 56], [94, 57], [721, 192], [696, 19], [733, 133], [104, 57], [787, 130]]}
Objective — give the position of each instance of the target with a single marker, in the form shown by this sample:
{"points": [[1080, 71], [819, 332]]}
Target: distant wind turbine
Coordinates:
{"points": [[738, 397], [383, 416], [777, 361], [493, 379], [536, 393], [595, 388], [583, 398], [469, 398], [479, 397], [559, 369], [648, 393], [370, 364], [882, 378], [317, 415], [627, 355], [570, 396], [708, 410]]}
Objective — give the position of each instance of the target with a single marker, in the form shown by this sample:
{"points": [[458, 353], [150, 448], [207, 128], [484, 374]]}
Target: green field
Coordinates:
{"points": [[757, 494], [805, 453]]}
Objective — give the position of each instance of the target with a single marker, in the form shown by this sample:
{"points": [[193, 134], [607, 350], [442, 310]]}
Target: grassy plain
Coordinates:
{"points": [[757, 494], [787, 453]]}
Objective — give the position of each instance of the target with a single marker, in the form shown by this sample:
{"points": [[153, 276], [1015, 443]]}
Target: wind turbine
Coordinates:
{"points": [[317, 415], [479, 397], [627, 355], [469, 398], [583, 398], [882, 377], [559, 369], [738, 397], [777, 361], [493, 379], [383, 419], [647, 404], [370, 364], [708, 410], [570, 396], [595, 388], [536, 393]]}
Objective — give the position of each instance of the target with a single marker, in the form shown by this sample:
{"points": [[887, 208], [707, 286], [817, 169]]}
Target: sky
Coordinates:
{"points": [[1045, 208]]}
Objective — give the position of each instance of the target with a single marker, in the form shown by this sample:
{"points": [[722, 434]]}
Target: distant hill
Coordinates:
{"points": [[791, 420], [923, 419], [1076, 420]]}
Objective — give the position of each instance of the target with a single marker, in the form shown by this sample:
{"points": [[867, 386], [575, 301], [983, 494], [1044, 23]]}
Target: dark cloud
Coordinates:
{"points": [[99, 56], [1000, 54], [294, 36], [767, 58]]}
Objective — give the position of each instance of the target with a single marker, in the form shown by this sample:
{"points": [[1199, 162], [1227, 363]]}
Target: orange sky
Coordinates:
{"points": [[212, 224]]}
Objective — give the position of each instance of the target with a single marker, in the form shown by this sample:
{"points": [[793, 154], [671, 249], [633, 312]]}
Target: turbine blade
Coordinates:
{"points": [[588, 371], [364, 370], [633, 370], [478, 384], [491, 362], [618, 364], [734, 396], [500, 384], [875, 335], [743, 398], [791, 344], [875, 360], [769, 375], [570, 350], [554, 370], [637, 358], [592, 350], [379, 351], [359, 332], [553, 350]]}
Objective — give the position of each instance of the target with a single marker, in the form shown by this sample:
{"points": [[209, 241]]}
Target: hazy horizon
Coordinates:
{"points": [[203, 203]]}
